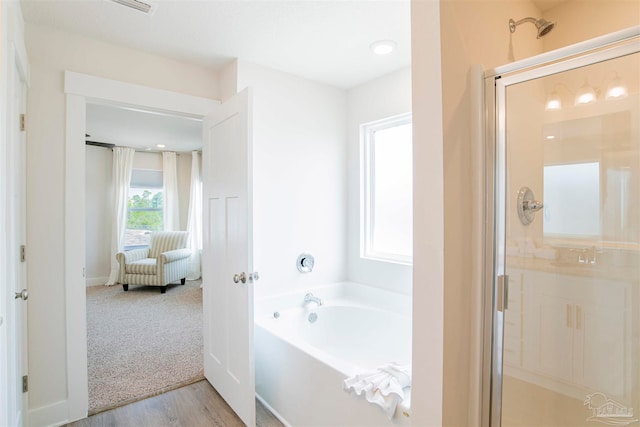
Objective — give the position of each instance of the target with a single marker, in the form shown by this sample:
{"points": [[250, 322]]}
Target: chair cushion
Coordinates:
{"points": [[163, 241], [144, 266]]}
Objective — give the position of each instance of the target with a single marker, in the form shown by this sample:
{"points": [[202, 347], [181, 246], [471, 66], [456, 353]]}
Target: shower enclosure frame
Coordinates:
{"points": [[492, 172]]}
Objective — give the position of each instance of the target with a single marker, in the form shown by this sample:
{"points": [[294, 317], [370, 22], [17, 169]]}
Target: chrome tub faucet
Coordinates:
{"points": [[311, 298]]}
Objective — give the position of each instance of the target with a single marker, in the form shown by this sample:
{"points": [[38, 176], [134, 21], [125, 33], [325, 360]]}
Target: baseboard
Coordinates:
{"points": [[273, 411], [95, 281], [54, 414]]}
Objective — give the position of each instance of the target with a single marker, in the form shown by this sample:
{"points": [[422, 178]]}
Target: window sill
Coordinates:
{"points": [[134, 247], [387, 259]]}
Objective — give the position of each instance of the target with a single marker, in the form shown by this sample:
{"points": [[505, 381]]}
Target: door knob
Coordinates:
{"points": [[24, 294], [237, 278]]}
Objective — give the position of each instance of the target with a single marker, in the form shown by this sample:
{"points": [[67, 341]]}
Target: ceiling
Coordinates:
{"points": [[142, 130], [321, 40], [545, 5]]}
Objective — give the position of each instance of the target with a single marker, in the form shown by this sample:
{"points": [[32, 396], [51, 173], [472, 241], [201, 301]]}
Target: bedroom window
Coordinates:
{"points": [[144, 208], [387, 190]]}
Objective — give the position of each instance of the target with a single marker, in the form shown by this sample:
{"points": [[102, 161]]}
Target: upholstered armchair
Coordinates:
{"points": [[165, 261]]}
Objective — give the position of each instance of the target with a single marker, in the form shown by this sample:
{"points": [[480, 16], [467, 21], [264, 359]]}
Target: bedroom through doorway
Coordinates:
{"points": [[141, 342]]}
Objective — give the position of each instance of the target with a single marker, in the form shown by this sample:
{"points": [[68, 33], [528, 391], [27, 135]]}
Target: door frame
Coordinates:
{"points": [[81, 89], [494, 165]]}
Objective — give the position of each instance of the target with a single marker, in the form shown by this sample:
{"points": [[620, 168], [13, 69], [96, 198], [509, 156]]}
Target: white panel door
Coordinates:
{"points": [[227, 255], [14, 267]]}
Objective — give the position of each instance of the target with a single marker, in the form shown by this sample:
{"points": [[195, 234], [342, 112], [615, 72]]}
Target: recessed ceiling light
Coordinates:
{"points": [[160, 145], [383, 47]]}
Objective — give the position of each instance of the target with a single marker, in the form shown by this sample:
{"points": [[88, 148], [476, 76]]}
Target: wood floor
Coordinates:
{"points": [[195, 405]]}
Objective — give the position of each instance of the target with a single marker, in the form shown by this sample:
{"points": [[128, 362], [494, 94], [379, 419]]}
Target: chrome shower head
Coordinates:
{"points": [[542, 25]]}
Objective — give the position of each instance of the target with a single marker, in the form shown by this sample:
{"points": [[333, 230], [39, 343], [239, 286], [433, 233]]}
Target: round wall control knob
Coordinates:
{"points": [[305, 263], [527, 206]]}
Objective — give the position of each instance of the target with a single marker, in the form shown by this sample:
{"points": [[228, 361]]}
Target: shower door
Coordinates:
{"points": [[566, 263]]}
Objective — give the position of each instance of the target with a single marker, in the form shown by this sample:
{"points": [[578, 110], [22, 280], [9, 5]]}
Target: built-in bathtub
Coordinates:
{"points": [[304, 352]]}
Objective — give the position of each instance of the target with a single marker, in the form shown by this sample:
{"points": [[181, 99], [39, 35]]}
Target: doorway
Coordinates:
{"points": [[81, 89], [565, 274], [139, 343]]}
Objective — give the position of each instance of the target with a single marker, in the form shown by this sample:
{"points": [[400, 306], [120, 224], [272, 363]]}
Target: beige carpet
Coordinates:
{"points": [[141, 343]]}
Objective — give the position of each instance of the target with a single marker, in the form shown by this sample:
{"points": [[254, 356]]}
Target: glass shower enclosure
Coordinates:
{"points": [[564, 258]]}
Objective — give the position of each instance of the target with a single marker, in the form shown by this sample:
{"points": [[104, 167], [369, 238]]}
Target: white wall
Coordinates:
{"points": [[580, 20], [384, 97], [98, 193], [228, 80], [473, 32], [428, 217], [300, 195], [51, 52]]}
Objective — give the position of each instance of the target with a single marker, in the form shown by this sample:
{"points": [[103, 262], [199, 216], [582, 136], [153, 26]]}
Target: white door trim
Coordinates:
{"points": [[81, 89]]}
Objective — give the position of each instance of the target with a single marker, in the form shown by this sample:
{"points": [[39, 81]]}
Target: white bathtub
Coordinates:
{"points": [[301, 365]]}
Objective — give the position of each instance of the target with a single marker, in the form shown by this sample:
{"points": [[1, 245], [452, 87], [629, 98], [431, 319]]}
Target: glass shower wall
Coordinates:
{"points": [[571, 323]]}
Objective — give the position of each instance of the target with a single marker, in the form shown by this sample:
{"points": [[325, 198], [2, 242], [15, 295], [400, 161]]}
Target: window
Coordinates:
{"points": [[572, 200], [144, 207], [387, 190]]}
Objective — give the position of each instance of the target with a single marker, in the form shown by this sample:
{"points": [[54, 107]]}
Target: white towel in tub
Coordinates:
{"points": [[383, 386]]}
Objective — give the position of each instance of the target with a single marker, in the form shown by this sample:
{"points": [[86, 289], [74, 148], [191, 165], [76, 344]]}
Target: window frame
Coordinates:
{"points": [[367, 195]]}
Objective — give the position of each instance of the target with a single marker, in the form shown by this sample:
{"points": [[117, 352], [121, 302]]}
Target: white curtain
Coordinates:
{"points": [[194, 224], [122, 166], [170, 196]]}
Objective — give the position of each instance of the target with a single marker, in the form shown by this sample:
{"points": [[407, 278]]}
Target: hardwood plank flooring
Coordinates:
{"points": [[194, 405]]}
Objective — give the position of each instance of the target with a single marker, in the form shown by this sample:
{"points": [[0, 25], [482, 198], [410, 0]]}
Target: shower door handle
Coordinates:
{"points": [[503, 293]]}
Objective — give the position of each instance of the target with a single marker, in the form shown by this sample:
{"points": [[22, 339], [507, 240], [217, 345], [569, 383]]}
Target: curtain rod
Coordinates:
{"points": [[111, 146]]}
